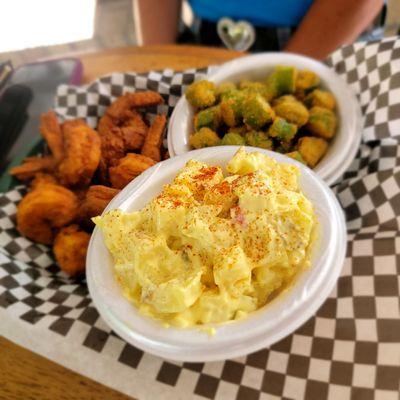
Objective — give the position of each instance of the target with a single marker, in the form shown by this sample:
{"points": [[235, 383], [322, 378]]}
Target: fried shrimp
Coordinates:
{"points": [[129, 168], [152, 144], [51, 131], [119, 107], [96, 200], [45, 209], [32, 166], [134, 131], [82, 154], [112, 149], [42, 179], [70, 247]]}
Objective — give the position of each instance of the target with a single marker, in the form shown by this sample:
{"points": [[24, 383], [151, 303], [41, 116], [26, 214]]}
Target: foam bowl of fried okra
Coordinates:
{"points": [[282, 102]]}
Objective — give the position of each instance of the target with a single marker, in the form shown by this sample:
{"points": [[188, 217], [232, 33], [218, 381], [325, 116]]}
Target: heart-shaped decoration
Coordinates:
{"points": [[238, 36]]}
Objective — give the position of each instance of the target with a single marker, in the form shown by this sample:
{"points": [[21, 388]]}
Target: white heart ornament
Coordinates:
{"points": [[238, 36]]}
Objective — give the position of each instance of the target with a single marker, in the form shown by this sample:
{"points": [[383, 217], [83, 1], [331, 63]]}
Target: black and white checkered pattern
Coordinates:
{"points": [[349, 350]]}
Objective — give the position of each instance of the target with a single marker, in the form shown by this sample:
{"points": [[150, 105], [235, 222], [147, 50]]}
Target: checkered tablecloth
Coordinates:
{"points": [[349, 349]]}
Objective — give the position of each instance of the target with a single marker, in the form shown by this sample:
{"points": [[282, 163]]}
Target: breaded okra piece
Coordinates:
{"points": [[233, 139], [256, 111], [258, 139], [320, 98], [322, 122], [296, 156], [258, 87], [232, 107], [240, 129], [224, 87], [293, 111], [209, 117], [282, 130], [201, 94], [312, 149], [283, 79], [307, 80], [205, 137]]}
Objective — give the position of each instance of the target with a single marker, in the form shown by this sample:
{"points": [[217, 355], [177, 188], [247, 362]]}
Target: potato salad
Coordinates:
{"points": [[215, 245]]}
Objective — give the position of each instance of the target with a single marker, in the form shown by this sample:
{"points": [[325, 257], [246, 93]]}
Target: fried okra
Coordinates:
{"points": [[322, 122], [283, 79], [233, 139], [256, 111], [307, 80], [258, 139], [232, 107], [320, 98], [241, 129], [205, 137], [287, 112], [258, 87], [209, 117], [201, 94], [224, 88], [312, 149], [282, 130], [292, 111], [296, 156]]}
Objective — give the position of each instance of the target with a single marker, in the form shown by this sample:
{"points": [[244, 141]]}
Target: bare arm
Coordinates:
{"points": [[156, 21], [330, 24]]}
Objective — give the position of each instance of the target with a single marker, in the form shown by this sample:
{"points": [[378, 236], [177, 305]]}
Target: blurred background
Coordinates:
{"points": [[49, 28]]}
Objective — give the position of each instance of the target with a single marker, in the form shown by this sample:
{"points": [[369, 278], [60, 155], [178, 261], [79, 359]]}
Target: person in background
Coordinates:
{"points": [[312, 28]]}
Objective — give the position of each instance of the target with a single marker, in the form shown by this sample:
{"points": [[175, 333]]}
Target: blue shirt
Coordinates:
{"points": [[271, 13]]}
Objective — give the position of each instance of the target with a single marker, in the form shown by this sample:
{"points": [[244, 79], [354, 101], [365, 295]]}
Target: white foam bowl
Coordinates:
{"points": [[261, 328], [342, 148]]}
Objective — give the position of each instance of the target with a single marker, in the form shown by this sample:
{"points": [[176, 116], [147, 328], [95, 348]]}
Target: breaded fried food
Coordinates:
{"points": [[105, 124], [322, 122], [129, 168], [96, 200], [292, 111], [123, 135], [32, 166], [51, 131], [45, 209], [312, 149], [204, 137], [152, 144], [112, 150], [201, 94], [42, 179], [122, 104], [134, 131], [82, 149], [70, 248]]}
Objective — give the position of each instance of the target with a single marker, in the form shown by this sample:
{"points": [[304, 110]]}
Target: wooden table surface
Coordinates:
{"points": [[23, 374]]}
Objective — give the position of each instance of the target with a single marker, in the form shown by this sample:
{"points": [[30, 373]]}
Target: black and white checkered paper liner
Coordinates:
{"points": [[349, 349]]}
